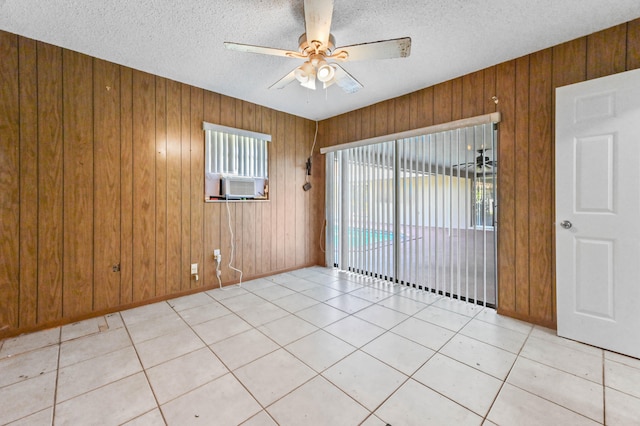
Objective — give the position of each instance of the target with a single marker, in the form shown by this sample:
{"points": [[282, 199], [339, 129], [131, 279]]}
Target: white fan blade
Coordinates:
{"points": [[284, 81], [345, 80], [386, 49], [259, 49], [317, 20]]}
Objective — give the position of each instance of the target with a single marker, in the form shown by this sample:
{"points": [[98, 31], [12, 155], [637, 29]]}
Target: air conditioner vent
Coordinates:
{"points": [[234, 187]]}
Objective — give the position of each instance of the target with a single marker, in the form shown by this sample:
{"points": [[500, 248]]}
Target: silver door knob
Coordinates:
{"points": [[566, 224]]}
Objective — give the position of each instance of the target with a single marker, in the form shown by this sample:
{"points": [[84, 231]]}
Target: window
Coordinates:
{"points": [[485, 200], [417, 208], [236, 163]]}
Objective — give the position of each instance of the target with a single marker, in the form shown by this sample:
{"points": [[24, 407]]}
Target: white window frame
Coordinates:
{"points": [[236, 163]]}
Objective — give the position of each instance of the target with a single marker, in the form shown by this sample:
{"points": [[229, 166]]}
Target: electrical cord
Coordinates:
{"points": [[233, 246], [322, 230], [308, 172], [315, 137], [218, 272]]}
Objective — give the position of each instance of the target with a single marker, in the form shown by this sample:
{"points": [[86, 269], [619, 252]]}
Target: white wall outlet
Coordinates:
{"points": [[194, 268], [216, 252]]}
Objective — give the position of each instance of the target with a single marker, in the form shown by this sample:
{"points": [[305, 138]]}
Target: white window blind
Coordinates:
{"points": [[418, 210], [235, 152]]}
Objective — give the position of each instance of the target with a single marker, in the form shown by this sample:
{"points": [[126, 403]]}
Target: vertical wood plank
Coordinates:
{"points": [[569, 62], [350, 119], [107, 183], [316, 203], [174, 187], [633, 44], [442, 102], [78, 179], [391, 116], [505, 90], [212, 214], [312, 223], [28, 179], [367, 121], [161, 185], [9, 182], [267, 208], [302, 152], [425, 107], [540, 186], [414, 99], [606, 52], [472, 94], [234, 211], [227, 118], [381, 117], [290, 231], [238, 209], [402, 113], [248, 242], [185, 179], [144, 187], [126, 185], [456, 98], [343, 129], [522, 186], [489, 105], [50, 183], [249, 209], [259, 208], [211, 210], [280, 188], [248, 116], [197, 181], [357, 118], [324, 130]]}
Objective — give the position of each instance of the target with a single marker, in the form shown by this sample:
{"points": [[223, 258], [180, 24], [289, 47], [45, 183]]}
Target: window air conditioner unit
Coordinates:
{"points": [[236, 187]]}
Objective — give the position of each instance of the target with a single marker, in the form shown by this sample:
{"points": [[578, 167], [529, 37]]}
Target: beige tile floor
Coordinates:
{"points": [[312, 347]]}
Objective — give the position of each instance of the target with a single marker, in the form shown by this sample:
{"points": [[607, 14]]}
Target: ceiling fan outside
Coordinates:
{"points": [[481, 163], [317, 45]]}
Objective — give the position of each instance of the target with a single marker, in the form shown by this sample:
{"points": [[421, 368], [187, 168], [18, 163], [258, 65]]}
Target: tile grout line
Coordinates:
{"points": [[549, 366], [410, 377], [504, 381], [293, 355], [229, 370], [362, 285], [144, 370], [376, 303], [55, 391]]}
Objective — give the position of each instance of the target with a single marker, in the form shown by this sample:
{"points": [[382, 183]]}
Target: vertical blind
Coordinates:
{"points": [[237, 152], [418, 210]]}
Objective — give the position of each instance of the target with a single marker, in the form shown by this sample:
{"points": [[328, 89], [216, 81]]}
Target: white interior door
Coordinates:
{"points": [[598, 212]]}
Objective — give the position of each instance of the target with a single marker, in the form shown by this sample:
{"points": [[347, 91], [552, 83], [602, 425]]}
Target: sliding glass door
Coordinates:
{"points": [[418, 211]]}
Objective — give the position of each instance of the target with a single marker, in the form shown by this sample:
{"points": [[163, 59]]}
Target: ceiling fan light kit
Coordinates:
{"points": [[304, 72], [325, 72], [317, 45]]}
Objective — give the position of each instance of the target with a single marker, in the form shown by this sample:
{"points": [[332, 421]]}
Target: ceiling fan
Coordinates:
{"points": [[317, 48], [483, 162]]}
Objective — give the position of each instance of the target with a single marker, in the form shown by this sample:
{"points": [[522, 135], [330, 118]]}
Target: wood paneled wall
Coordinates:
{"points": [[525, 88], [103, 165]]}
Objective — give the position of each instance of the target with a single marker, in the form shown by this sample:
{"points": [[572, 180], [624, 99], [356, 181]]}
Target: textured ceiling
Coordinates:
{"points": [[183, 40]]}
